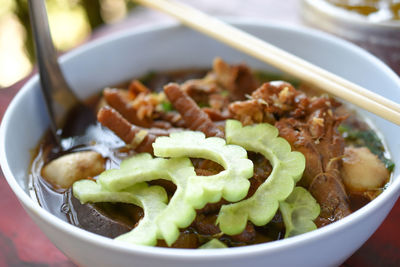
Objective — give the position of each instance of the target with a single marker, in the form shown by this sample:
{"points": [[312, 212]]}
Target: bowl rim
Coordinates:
{"points": [[212, 254], [347, 16]]}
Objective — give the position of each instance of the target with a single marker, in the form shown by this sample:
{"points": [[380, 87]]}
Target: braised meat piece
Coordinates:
{"points": [[201, 89], [223, 84], [173, 118], [186, 239], [139, 139], [205, 224], [238, 80], [218, 107], [310, 126], [269, 102], [247, 236], [122, 101], [323, 163], [195, 119], [316, 136]]}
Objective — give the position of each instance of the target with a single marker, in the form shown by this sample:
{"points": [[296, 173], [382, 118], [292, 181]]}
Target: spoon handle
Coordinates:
{"points": [[58, 96]]}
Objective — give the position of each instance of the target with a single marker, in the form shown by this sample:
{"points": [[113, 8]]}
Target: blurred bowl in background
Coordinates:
{"points": [[380, 37]]}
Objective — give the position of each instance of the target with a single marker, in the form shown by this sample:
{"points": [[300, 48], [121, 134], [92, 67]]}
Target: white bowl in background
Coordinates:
{"points": [[130, 54], [382, 38]]}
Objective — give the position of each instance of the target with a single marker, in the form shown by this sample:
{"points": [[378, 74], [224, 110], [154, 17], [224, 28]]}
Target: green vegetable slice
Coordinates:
{"points": [[151, 198], [163, 221], [180, 212], [287, 166], [231, 183], [213, 243], [142, 167], [299, 211]]}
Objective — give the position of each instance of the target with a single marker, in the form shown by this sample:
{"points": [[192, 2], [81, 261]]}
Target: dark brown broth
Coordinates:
{"points": [[113, 219]]}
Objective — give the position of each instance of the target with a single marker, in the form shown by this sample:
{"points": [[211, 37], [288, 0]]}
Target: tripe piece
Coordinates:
{"points": [[287, 166], [121, 100], [232, 183], [299, 211], [195, 119], [151, 198]]}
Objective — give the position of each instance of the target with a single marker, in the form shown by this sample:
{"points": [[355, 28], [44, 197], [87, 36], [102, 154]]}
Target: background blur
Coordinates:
{"points": [[71, 22]]}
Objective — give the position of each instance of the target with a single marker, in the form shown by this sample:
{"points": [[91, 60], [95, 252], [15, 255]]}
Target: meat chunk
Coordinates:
{"points": [[238, 80], [206, 224], [122, 101], [201, 89], [195, 119], [186, 239], [250, 112], [174, 118], [318, 140], [140, 139], [101, 220], [270, 102], [310, 126], [212, 207], [247, 236]]}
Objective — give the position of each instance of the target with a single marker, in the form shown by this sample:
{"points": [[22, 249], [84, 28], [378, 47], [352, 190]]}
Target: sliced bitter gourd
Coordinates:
{"points": [[151, 198], [180, 212], [213, 243], [287, 170], [232, 183], [299, 211], [139, 168]]}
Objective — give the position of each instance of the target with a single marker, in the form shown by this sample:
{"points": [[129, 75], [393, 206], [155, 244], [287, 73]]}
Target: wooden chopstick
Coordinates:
{"points": [[279, 58]]}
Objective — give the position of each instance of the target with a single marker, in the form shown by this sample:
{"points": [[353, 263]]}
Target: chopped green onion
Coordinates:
{"points": [[166, 106]]}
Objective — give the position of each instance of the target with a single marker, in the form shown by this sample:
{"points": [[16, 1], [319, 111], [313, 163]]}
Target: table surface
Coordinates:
{"points": [[23, 244]]}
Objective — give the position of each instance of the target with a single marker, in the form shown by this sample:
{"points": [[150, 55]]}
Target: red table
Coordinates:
{"points": [[23, 244]]}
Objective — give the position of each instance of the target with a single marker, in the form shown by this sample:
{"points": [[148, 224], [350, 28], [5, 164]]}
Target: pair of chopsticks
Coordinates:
{"points": [[279, 58]]}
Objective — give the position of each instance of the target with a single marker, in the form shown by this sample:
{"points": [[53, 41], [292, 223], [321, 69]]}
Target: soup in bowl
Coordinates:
{"points": [[226, 154]]}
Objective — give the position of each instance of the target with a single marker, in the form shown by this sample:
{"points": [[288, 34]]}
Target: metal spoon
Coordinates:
{"points": [[59, 98]]}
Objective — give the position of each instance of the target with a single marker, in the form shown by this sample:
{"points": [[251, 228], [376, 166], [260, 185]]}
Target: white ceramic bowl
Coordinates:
{"points": [[128, 54]]}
